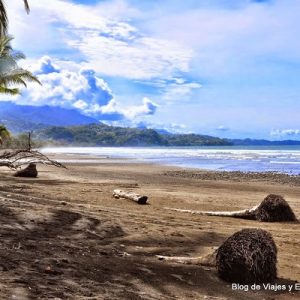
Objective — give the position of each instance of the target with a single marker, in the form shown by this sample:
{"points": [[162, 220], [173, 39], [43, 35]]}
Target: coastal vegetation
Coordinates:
{"points": [[104, 135], [99, 134], [19, 141]]}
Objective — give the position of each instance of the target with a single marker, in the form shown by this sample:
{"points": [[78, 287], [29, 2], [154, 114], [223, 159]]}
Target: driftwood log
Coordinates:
{"points": [[208, 260], [244, 214], [131, 196], [248, 256], [274, 208]]}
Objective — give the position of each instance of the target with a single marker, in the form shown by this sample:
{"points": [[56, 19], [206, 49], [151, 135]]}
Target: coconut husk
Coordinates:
{"points": [[274, 208], [29, 171], [248, 256]]}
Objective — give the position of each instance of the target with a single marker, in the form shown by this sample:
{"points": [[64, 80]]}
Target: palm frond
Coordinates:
{"points": [[18, 76], [8, 57], [6, 66], [3, 18], [5, 46], [10, 72], [17, 55], [27, 75], [9, 91], [27, 8], [12, 79]]}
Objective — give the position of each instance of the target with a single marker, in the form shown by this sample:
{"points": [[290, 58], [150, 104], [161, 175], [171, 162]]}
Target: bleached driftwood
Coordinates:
{"points": [[130, 195], [244, 214], [14, 159], [204, 260], [274, 208]]}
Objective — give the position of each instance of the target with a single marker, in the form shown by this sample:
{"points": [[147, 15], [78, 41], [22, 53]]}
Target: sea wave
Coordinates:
{"points": [[260, 159]]}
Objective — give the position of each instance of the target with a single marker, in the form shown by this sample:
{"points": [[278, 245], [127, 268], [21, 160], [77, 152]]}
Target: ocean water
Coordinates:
{"points": [[283, 159]]}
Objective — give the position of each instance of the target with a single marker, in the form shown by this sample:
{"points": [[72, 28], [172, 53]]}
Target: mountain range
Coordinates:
{"points": [[69, 126], [20, 118]]}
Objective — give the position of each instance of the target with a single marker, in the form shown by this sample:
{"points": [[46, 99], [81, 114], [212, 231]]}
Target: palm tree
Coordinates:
{"points": [[3, 16], [10, 72], [4, 134]]}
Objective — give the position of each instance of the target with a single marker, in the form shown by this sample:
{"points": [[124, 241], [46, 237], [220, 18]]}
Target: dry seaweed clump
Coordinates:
{"points": [[248, 256], [29, 171], [274, 208]]}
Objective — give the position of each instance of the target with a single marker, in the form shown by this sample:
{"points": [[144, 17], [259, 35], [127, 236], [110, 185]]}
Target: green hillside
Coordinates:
{"points": [[104, 135]]}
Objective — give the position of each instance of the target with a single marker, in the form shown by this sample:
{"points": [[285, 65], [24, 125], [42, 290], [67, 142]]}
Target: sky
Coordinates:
{"points": [[220, 67]]}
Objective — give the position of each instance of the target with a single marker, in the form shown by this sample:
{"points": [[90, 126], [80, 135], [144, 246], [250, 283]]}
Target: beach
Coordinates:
{"points": [[63, 235]]}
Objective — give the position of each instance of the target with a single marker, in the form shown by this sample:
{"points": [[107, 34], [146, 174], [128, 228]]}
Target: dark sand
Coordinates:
{"points": [[63, 236]]}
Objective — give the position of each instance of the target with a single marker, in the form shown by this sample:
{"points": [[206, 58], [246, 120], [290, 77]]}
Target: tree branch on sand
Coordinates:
{"points": [[14, 159], [274, 208]]}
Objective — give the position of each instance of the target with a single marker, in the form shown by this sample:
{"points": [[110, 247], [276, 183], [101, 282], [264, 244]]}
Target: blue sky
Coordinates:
{"points": [[221, 67]]}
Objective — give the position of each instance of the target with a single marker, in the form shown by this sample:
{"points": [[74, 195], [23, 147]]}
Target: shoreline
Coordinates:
{"points": [[184, 172], [199, 158]]}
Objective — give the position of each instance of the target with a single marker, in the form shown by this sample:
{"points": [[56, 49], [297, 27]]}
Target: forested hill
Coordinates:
{"points": [[104, 135]]}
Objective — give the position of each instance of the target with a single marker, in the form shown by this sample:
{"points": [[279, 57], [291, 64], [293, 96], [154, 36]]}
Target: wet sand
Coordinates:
{"points": [[63, 236]]}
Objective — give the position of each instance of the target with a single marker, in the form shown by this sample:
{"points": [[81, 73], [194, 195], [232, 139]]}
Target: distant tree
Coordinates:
{"points": [[10, 72], [4, 18], [4, 134]]}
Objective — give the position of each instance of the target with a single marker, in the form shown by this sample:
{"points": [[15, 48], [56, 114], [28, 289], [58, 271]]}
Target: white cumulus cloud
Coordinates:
{"points": [[65, 88], [147, 108], [80, 89]]}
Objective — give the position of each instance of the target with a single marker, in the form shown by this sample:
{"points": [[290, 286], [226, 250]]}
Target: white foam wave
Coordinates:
{"points": [[228, 158]]}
